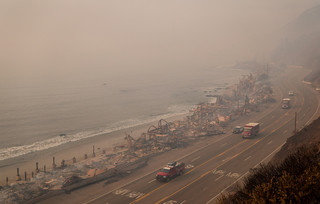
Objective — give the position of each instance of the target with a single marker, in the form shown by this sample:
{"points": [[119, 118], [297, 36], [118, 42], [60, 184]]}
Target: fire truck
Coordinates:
{"points": [[250, 130]]}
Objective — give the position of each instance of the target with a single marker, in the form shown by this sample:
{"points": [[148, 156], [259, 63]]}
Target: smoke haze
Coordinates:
{"points": [[89, 67], [58, 41]]}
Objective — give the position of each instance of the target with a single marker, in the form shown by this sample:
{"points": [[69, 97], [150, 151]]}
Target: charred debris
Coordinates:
{"points": [[206, 119]]}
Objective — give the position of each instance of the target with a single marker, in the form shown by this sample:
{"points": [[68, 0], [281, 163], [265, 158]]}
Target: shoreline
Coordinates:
{"points": [[157, 162], [190, 128], [77, 149]]}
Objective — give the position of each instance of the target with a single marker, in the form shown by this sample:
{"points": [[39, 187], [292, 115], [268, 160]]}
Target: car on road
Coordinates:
{"points": [[286, 103], [170, 171], [237, 129], [291, 93]]}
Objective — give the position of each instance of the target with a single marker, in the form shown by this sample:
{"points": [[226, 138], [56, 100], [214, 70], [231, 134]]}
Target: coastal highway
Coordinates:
{"points": [[217, 166]]}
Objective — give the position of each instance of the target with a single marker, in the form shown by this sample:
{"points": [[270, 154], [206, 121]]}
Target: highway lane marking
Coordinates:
{"points": [[226, 159], [195, 159], [152, 181], [244, 174], [247, 158], [315, 113], [197, 150], [170, 202], [218, 172], [189, 166], [222, 153], [183, 202], [219, 178], [203, 175], [259, 140], [264, 158], [146, 195], [276, 121], [204, 162], [270, 142], [121, 191], [128, 193], [233, 175], [206, 173]]}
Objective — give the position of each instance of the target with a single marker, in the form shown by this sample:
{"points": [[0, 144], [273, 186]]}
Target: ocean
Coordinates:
{"points": [[37, 116]]}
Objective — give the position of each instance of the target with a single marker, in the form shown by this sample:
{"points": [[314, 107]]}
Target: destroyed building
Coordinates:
{"points": [[206, 119]]}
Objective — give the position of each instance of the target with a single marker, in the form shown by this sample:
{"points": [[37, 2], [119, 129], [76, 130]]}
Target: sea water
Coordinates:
{"points": [[36, 117]]}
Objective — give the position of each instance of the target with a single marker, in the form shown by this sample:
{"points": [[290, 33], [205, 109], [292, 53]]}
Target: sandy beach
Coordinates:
{"points": [[78, 149]]}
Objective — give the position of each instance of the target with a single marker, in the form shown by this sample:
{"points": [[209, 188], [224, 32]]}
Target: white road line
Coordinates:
{"points": [[226, 159], [244, 174], [315, 113], [270, 142], [182, 157], [183, 202], [247, 158], [285, 131], [195, 159], [219, 177], [152, 181]]}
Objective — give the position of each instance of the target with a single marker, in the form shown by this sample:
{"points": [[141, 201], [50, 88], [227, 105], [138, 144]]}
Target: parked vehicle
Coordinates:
{"points": [[286, 103], [237, 130], [170, 171], [250, 130], [291, 93]]}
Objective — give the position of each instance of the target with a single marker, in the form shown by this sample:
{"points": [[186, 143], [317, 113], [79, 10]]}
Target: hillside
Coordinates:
{"points": [[308, 136], [300, 42]]}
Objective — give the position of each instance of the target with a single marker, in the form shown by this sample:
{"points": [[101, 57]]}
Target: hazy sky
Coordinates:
{"points": [[64, 38]]}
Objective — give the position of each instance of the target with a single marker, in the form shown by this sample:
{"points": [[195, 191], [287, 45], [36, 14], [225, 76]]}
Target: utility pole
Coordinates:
{"points": [[295, 122]]}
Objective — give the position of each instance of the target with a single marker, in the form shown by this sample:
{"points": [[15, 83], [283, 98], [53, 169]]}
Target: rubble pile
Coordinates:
{"points": [[18, 192], [206, 119]]}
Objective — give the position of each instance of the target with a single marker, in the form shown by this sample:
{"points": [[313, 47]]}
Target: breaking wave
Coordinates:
{"points": [[12, 152]]}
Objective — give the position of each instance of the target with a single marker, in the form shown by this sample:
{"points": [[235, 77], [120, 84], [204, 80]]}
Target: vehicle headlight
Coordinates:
{"points": [[164, 177]]}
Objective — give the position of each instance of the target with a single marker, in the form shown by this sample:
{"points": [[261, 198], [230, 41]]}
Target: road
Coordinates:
{"points": [[218, 165]]}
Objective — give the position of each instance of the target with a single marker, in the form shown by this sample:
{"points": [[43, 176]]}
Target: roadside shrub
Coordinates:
{"points": [[295, 180]]}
